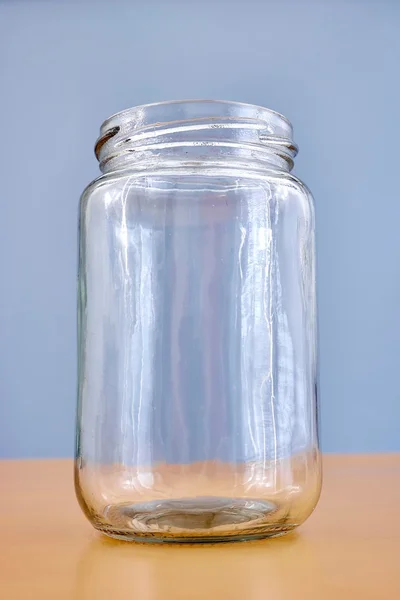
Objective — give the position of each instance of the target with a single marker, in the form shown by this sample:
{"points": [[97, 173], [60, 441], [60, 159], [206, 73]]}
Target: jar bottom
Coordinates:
{"points": [[199, 519]]}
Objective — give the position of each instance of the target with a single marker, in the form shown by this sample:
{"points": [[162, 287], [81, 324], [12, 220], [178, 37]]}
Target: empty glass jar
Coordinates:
{"points": [[197, 412]]}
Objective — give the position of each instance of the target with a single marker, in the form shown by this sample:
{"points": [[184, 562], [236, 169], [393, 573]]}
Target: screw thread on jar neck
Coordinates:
{"points": [[195, 133]]}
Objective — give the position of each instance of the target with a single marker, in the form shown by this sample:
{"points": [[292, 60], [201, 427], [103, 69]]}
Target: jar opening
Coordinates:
{"points": [[192, 131]]}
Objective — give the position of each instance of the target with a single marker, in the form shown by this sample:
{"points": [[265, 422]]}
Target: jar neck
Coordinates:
{"points": [[196, 133]]}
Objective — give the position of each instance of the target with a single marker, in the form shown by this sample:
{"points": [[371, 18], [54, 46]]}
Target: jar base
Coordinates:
{"points": [[124, 536], [195, 520]]}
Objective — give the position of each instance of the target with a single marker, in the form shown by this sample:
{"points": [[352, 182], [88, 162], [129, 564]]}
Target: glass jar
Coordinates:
{"points": [[197, 411]]}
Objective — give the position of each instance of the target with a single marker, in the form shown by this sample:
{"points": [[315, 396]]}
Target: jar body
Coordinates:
{"points": [[197, 354]]}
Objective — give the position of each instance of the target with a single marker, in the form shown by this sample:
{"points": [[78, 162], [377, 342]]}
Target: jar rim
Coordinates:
{"points": [[257, 108]]}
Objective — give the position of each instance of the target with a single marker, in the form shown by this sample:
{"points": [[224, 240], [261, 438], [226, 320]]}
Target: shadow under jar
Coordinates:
{"points": [[197, 328]]}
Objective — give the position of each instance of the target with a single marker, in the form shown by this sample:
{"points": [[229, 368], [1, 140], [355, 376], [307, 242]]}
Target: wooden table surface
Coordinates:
{"points": [[348, 549]]}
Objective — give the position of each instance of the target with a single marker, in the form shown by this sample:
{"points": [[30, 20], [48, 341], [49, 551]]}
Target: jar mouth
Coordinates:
{"points": [[192, 123]]}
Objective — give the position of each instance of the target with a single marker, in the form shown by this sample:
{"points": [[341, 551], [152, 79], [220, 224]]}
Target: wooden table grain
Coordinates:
{"points": [[348, 549]]}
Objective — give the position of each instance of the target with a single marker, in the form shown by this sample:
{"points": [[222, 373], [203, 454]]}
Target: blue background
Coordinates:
{"points": [[330, 66]]}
